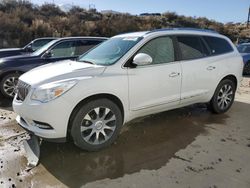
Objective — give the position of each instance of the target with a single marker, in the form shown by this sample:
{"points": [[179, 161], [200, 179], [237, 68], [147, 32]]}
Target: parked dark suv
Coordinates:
{"points": [[29, 48], [61, 49]]}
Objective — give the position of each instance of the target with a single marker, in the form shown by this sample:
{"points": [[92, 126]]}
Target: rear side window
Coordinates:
{"points": [[191, 47], [218, 45]]}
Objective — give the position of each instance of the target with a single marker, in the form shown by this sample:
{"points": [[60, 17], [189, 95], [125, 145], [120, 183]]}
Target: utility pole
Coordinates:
{"points": [[248, 19]]}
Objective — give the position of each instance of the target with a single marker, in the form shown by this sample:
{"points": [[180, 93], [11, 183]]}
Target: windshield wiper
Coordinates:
{"points": [[89, 62]]}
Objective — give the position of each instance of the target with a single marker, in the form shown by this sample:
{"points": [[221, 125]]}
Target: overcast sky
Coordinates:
{"points": [[219, 10]]}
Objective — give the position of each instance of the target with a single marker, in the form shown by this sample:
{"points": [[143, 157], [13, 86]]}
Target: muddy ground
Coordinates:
{"points": [[188, 147]]}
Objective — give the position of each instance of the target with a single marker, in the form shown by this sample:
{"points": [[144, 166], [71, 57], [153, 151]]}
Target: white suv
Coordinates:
{"points": [[128, 76]]}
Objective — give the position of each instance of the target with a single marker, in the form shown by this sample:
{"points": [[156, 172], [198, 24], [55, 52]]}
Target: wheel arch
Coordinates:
{"points": [[231, 77], [10, 72], [111, 97]]}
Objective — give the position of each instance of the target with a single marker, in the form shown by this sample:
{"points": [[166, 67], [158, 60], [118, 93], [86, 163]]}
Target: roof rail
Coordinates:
{"points": [[183, 29]]}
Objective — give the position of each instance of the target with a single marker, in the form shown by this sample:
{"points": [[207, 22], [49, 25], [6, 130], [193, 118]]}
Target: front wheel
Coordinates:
{"points": [[8, 85], [96, 124], [223, 97]]}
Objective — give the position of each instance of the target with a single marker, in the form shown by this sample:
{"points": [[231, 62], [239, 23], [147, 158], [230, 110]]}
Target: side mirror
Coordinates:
{"points": [[142, 59], [47, 54], [29, 49]]}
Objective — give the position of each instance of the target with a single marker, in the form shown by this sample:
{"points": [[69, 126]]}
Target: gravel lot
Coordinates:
{"points": [[188, 147]]}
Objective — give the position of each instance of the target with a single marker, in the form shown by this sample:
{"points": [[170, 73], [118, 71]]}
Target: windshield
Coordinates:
{"points": [[44, 48], [110, 51], [244, 48]]}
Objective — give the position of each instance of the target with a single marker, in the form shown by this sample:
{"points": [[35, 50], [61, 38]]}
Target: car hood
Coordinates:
{"points": [[61, 70], [10, 49], [19, 58], [11, 52]]}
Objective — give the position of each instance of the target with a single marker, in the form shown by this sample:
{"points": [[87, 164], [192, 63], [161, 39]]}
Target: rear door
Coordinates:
{"points": [[199, 74]]}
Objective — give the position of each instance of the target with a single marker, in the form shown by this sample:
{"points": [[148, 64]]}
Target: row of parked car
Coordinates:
{"points": [[131, 75], [14, 62]]}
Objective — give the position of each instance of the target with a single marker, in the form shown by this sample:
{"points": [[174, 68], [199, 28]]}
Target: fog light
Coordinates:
{"points": [[42, 125]]}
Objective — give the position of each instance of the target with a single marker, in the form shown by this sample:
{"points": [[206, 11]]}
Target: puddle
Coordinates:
{"points": [[146, 143]]}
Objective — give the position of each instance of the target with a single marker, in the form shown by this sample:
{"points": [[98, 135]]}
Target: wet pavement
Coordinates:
{"points": [[187, 147]]}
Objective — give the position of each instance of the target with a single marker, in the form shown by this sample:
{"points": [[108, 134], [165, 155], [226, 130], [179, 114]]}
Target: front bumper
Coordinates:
{"points": [[56, 113]]}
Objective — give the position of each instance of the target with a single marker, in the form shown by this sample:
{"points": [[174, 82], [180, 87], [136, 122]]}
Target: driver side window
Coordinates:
{"points": [[64, 49], [160, 49]]}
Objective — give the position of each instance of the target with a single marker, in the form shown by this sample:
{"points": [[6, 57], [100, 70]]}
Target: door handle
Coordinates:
{"points": [[174, 74], [211, 68]]}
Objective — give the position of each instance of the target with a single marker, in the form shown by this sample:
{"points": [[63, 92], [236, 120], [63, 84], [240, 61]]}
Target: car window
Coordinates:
{"points": [[191, 47], [85, 45], [39, 43], [160, 49], [244, 48], [64, 49], [110, 51], [218, 45]]}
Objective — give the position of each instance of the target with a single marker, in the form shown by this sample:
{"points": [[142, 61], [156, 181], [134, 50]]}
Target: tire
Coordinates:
{"points": [[223, 97], [91, 120], [8, 85], [246, 70]]}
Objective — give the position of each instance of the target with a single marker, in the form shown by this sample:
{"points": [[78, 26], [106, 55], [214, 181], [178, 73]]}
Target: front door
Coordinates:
{"points": [[155, 86]]}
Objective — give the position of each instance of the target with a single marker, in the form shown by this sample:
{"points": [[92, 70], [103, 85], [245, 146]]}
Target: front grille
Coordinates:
{"points": [[22, 90]]}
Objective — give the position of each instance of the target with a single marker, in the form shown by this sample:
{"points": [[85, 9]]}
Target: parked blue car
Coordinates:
{"points": [[60, 49], [244, 49]]}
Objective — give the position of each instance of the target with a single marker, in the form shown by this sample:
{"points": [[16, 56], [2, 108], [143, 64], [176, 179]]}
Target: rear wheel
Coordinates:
{"points": [[96, 124], [8, 85], [223, 97]]}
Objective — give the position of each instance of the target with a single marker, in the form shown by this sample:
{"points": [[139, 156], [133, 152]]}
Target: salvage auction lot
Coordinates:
{"points": [[188, 147]]}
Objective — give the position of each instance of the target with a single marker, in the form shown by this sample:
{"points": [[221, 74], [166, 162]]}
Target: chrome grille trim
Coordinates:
{"points": [[22, 90]]}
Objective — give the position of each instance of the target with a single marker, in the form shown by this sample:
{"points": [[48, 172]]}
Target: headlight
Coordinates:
{"points": [[51, 91], [1, 60]]}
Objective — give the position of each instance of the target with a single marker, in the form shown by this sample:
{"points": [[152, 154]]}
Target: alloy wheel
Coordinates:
{"points": [[225, 96], [9, 86], [98, 125]]}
